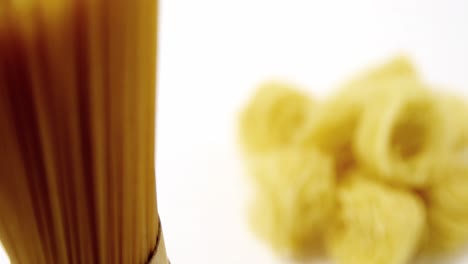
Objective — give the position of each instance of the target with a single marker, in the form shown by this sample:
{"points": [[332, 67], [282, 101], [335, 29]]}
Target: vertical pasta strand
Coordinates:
{"points": [[46, 128], [95, 42], [147, 51]]}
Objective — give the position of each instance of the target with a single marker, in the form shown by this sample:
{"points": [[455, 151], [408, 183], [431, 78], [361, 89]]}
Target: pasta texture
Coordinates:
{"points": [[273, 117], [402, 135], [295, 198], [392, 151], [447, 208], [368, 230], [335, 122], [77, 102]]}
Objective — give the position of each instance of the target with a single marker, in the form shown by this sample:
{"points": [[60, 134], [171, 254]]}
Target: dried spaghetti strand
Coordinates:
{"points": [[77, 97]]}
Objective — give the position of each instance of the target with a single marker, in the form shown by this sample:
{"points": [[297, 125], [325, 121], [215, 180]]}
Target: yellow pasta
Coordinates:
{"points": [[294, 200], [375, 223], [457, 114], [331, 130], [398, 68], [447, 205], [334, 125], [379, 171], [401, 135], [273, 117]]}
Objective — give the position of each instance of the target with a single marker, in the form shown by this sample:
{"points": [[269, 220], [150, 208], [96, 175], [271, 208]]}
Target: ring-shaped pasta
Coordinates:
{"points": [[401, 135]]}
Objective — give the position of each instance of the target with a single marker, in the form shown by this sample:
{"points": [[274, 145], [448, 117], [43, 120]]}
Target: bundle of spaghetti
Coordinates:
{"points": [[336, 121], [77, 98], [274, 115], [367, 228], [294, 199]]}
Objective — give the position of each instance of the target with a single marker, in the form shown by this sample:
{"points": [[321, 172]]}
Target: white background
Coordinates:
{"points": [[212, 55]]}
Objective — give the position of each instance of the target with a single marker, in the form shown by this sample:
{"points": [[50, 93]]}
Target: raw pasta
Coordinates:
{"points": [[379, 171], [77, 131], [331, 131], [273, 117], [447, 206], [401, 134], [295, 199], [336, 120], [375, 223], [457, 115], [398, 68]]}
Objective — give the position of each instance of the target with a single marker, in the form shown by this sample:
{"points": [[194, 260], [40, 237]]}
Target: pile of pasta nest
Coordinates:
{"points": [[377, 173]]}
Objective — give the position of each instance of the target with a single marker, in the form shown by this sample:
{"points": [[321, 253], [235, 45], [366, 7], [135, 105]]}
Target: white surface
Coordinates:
{"points": [[214, 52], [3, 256]]}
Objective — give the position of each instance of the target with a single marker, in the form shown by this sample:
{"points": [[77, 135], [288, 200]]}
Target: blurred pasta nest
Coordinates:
{"points": [[376, 173], [274, 118]]}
